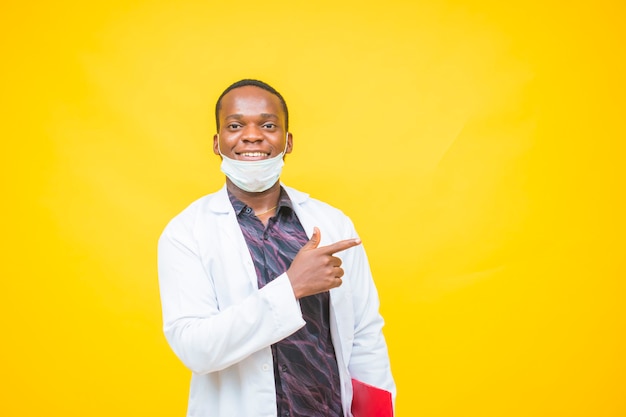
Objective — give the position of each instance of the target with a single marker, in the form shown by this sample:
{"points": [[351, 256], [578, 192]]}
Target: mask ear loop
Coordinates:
{"points": [[286, 143], [218, 145]]}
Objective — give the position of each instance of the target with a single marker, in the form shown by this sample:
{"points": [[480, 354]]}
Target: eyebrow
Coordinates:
{"points": [[263, 115]]}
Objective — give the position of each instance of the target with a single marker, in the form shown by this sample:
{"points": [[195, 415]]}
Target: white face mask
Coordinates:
{"points": [[253, 176]]}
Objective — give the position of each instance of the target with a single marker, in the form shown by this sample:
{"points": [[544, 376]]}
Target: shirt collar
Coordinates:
{"points": [[240, 207]]}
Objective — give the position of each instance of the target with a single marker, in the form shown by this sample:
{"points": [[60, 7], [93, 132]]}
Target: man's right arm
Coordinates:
{"points": [[315, 269], [208, 337]]}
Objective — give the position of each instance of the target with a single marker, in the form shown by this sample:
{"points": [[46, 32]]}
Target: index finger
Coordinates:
{"points": [[339, 246]]}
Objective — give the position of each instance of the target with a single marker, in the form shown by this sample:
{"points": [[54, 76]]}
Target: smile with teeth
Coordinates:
{"points": [[254, 154]]}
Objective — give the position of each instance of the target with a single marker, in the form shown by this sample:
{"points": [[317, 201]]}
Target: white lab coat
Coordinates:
{"points": [[221, 325]]}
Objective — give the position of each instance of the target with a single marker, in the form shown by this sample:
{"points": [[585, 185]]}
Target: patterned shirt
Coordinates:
{"points": [[305, 366]]}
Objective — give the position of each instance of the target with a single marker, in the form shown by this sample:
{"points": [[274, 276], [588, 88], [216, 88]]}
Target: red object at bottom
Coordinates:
{"points": [[370, 401]]}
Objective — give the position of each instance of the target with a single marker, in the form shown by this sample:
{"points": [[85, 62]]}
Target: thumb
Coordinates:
{"points": [[314, 241]]}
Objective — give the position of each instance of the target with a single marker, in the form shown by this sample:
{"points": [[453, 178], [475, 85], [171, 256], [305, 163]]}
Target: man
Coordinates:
{"points": [[267, 294]]}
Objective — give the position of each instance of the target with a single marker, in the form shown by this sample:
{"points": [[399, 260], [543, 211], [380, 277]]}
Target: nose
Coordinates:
{"points": [[252, 133]]}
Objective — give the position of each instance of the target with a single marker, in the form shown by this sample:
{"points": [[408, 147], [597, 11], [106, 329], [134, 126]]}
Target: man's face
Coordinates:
{"points": [[252, 125]]}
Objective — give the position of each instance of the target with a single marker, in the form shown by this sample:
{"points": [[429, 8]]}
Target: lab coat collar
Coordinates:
{"points": [[221, 203]]}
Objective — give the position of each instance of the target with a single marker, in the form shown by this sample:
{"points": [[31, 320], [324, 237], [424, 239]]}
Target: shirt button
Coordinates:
{"points": [[248, 210], [265, 367], [283, 368]]}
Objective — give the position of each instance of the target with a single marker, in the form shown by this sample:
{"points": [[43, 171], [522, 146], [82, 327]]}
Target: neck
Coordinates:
{"points": [[259, 202]]}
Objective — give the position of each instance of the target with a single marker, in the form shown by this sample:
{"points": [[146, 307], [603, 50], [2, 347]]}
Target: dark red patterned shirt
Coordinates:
{"points": [[305, 366]]}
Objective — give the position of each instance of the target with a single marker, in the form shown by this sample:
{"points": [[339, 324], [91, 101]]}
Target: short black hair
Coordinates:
{"points": [[255, 83]]}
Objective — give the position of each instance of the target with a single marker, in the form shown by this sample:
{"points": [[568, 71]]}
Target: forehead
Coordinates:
{"points": [[250, 101]]}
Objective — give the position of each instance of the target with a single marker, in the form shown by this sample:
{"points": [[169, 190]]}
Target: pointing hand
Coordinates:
{"points": [[315, 269]]}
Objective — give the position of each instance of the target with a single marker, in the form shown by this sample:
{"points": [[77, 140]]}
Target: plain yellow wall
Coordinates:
{"points": [[477, 145]]}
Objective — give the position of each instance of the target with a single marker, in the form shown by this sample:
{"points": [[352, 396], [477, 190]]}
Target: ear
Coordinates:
{"points": [[216, 139], [289, 146]]}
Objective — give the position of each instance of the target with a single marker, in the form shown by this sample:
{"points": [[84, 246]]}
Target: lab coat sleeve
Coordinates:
{"points": [[208, 337], [369, 360]]}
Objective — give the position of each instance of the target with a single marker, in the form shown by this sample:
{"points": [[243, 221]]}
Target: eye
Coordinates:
{"points": [[269, 126], [233, 126]]}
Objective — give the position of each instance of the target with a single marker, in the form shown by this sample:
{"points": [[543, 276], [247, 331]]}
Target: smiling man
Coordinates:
{"points": [[267, 294]]}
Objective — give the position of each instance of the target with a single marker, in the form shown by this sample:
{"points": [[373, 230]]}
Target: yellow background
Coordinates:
{"points": [[477, 145]]}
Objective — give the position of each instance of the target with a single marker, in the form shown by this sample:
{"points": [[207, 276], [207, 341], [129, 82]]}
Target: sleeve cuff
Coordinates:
{"points": [[285, 307]]}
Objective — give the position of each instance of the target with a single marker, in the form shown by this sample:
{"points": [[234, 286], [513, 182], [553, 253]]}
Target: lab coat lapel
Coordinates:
{"points": [[231, 237]]}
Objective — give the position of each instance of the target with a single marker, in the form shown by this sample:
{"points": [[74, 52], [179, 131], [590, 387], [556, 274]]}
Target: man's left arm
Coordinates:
{"points": [[369, 360]]}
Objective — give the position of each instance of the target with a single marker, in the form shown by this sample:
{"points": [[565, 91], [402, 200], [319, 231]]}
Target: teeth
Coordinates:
{"points": [[253, 154]]}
